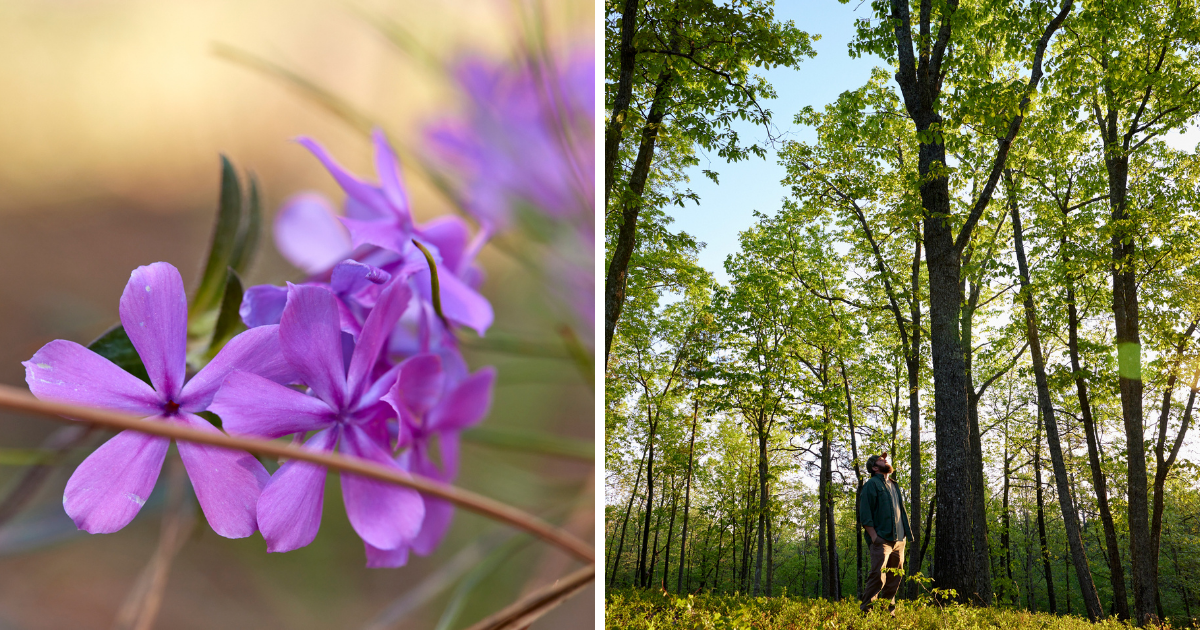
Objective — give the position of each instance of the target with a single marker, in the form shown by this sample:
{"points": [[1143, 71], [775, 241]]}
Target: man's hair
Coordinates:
{"points": [[872, 459]]}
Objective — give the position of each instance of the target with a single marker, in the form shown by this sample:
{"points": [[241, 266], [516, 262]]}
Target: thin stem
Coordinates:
{"points": [[524, 611], [18, 400]]}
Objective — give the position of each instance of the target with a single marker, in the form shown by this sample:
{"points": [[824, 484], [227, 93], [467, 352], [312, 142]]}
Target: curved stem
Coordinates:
{"points": [[18, 400]]}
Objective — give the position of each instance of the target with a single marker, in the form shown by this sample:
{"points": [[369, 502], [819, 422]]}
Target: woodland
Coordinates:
{"points": [[985, 265]]}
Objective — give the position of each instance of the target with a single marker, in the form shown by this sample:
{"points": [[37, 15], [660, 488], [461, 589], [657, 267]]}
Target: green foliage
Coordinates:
{"points": [[627, 609]]}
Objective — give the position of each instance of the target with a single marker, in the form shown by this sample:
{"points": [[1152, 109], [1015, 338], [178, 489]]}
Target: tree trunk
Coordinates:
{"points": [[1005, 534], [1129, 368], [1091, 599], [687, 494], [824, 531], [621, 545], [615, 131], [859, 532], [912, 363], [1041, 518], [626, 242], [1099, 480], [1163, 460], [763, 504], [979, 537], [643, 576], [670, 537]]}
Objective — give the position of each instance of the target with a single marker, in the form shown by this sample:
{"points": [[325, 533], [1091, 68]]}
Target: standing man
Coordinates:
{"points": [[881, 513]]}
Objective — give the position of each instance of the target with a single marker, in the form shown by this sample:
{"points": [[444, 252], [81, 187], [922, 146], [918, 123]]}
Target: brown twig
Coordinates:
{"points": [[528, 609], [140, 608], [18, 400]]}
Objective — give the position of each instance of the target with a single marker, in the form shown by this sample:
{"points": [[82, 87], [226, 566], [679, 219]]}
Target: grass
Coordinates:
{"points": [[634, 609]]}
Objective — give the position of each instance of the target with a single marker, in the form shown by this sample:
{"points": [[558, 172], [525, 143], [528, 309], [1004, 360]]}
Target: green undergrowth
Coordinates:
{"points": [[635, 609]]}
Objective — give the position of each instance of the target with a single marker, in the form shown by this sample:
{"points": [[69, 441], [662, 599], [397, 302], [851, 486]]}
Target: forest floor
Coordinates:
{"points": [[636, 609]]}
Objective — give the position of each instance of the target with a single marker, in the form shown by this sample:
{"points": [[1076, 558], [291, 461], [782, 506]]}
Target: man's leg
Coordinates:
{"points": [[875, 579], [895, 562]]}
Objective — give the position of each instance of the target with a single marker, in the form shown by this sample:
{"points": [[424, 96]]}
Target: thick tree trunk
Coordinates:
{"points": [[1129, 368], [1099, 480], [615, 281], [763, 504], [654, 546], [825, 532], [615, 130], [979, 537], [628, 508], [1041, 519], [1091, 599], [859, 532]]}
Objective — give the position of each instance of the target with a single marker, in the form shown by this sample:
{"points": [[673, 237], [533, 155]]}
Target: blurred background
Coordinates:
{"points": [[112, 117]]}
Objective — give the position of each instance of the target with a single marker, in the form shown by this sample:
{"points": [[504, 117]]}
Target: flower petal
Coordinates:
{"points": [[449, 235], [109, 488], [289, 510], [388, 308], [438, 512], [308, 234], [227, 482], [68, 372], [466, 405], [359, 190], [385, 233], [386, 558], [255, 351], [154, 313], [384, 515], [262, 305], [252, 405], [311, 338], [388, 169], [418, 386]]}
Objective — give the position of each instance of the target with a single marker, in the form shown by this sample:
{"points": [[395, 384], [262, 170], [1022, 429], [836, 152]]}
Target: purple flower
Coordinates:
{"points": [[109, 488], [380, 234], [527, 140], [432, 404], [344, 409]]}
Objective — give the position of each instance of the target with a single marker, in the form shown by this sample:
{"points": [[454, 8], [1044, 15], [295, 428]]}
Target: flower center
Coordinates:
{"points": [[170, 408]]}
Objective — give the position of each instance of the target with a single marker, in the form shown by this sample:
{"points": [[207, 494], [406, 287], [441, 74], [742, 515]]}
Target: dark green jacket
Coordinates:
{"points": [[876, 509]]}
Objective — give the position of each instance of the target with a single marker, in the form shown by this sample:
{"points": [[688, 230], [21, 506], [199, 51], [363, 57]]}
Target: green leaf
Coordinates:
{"points": [[225, 234], [249, 231], [115, 346], [229, 322], [531, 442]]}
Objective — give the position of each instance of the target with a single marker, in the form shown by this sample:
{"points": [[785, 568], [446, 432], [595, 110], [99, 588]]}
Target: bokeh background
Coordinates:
{"points": [[112, 117]]}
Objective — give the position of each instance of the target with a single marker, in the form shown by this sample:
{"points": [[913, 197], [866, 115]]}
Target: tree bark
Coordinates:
{"points": [[618, 267], [615, 131], [920, 79], [670, 537], [1099, 480], [643, 576], [1087, 587], [1041, 518]]}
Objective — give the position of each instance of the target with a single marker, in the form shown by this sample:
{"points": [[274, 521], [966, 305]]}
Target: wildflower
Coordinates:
{"points": [[344, 409], [108, 489]]}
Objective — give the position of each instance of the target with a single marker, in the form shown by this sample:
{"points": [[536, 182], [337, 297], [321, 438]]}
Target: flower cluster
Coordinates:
{"points": [[362, 358]]}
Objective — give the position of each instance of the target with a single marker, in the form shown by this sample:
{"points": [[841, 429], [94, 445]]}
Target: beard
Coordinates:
{"points": [[884, 468]]}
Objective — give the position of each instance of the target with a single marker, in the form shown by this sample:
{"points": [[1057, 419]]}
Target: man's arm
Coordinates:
{"points": [[866, 498]]}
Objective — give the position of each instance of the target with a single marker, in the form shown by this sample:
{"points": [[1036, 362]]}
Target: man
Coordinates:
{"points": [[881, 512]]}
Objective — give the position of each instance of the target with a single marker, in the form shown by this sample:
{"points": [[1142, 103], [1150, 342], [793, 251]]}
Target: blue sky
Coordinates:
{"points": [[754, 184]]}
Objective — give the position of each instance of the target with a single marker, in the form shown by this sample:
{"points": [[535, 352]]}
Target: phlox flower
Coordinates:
{"points": [[108, 489], [378, 229], [345, 411], [433, 401]]}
